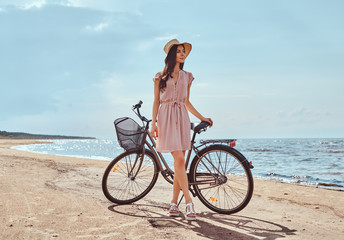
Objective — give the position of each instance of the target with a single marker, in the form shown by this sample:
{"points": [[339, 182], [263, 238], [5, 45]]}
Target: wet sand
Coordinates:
{"points": [[53, 197]]}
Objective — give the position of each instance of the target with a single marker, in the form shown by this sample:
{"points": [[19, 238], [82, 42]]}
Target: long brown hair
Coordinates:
{"points": [[170, 63]]}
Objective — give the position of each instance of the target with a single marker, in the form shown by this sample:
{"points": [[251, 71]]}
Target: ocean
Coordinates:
{"points": [[314, 162]]}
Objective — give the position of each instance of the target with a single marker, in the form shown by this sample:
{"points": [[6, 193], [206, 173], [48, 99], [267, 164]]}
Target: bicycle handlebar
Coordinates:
{"points": [[137, 107]]}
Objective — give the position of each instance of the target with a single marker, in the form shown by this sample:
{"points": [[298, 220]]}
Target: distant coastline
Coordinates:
{"points": [[22, 135]]}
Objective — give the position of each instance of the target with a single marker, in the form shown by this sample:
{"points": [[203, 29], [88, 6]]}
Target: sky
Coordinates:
{"points": [[263, 69]]}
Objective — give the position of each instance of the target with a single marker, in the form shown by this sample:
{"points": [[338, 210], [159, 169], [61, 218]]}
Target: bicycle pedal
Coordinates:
{"points": [[166, 173]]}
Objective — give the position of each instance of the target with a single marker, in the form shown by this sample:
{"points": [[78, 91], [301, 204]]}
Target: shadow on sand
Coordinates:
{"points": [[210, 225]]}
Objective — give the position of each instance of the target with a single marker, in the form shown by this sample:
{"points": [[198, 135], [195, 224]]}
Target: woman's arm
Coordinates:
{"points": [[192, 109], [156, 104]]}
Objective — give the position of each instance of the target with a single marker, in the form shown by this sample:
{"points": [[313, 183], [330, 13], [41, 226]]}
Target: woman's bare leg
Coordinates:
{"points": [[176, 188], [180, 180]]}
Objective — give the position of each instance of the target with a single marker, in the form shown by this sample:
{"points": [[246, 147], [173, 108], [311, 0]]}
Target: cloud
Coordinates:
{"points": [[34, 4], [240, 96], [144, 46], [303, 116], [29, 4], [297, 113], [201, 85], [67, 81], [65, 63], [196, 35], [43, 58], [86, 111], [100, 5], [166, 37], [108, 5], [97, 28], [139, 13]]}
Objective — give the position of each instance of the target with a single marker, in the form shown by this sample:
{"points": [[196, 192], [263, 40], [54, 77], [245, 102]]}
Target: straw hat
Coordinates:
{"points": [[173, 42]]}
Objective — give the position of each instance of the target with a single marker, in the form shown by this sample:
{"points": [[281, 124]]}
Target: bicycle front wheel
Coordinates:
{"points": [[223, 179], [128, 178]]}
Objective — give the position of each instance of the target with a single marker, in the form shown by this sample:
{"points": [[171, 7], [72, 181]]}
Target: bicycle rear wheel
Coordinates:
{"points": [[128, 179], [223, 179]]}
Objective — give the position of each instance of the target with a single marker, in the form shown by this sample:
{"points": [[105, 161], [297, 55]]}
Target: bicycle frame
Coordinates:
{"points": [[219, 175], [162, 162], [159, 158]]}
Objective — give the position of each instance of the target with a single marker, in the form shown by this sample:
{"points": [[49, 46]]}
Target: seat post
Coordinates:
{"points": [[193, 138]]}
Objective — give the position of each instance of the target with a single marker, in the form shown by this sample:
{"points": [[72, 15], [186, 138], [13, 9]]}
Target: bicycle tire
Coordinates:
{"points": [[121, 186], [228, 171]]}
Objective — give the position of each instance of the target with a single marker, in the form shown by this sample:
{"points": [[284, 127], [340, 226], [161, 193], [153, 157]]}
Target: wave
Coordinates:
{"points": [[329, 185], [309, 159], [304, 162], [306, 180], [261, 150], [339, 142], [331, 151]]}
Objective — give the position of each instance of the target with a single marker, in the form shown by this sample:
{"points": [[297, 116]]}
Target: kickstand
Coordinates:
{"points": [[180, 200]]}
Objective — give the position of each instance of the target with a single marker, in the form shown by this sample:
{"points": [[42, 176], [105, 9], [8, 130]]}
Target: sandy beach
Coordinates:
{"points": [[54, 197]]}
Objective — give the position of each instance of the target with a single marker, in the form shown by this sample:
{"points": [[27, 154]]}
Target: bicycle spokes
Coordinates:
{"points": [[221, 180], [129, 179]]}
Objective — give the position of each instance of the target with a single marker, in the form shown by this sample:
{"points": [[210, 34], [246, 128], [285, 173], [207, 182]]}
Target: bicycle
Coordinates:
{"points": [[219, 175]]}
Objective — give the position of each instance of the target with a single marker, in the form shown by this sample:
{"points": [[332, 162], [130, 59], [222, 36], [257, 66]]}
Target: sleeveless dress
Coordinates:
{"points": [[173, 120]]}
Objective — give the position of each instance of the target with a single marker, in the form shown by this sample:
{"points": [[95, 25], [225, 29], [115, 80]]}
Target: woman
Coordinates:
{"points": [[170, 107]]}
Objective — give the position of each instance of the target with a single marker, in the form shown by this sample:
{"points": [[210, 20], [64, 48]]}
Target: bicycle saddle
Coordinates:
{"points": [[199, 127]]}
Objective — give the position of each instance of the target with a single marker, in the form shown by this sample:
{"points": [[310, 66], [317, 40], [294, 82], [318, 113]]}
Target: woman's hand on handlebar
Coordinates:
{"points": [[154, 131], [207, 120]]}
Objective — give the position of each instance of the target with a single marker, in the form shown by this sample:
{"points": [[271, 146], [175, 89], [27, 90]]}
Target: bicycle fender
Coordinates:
{"points": [[245, 161]]}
